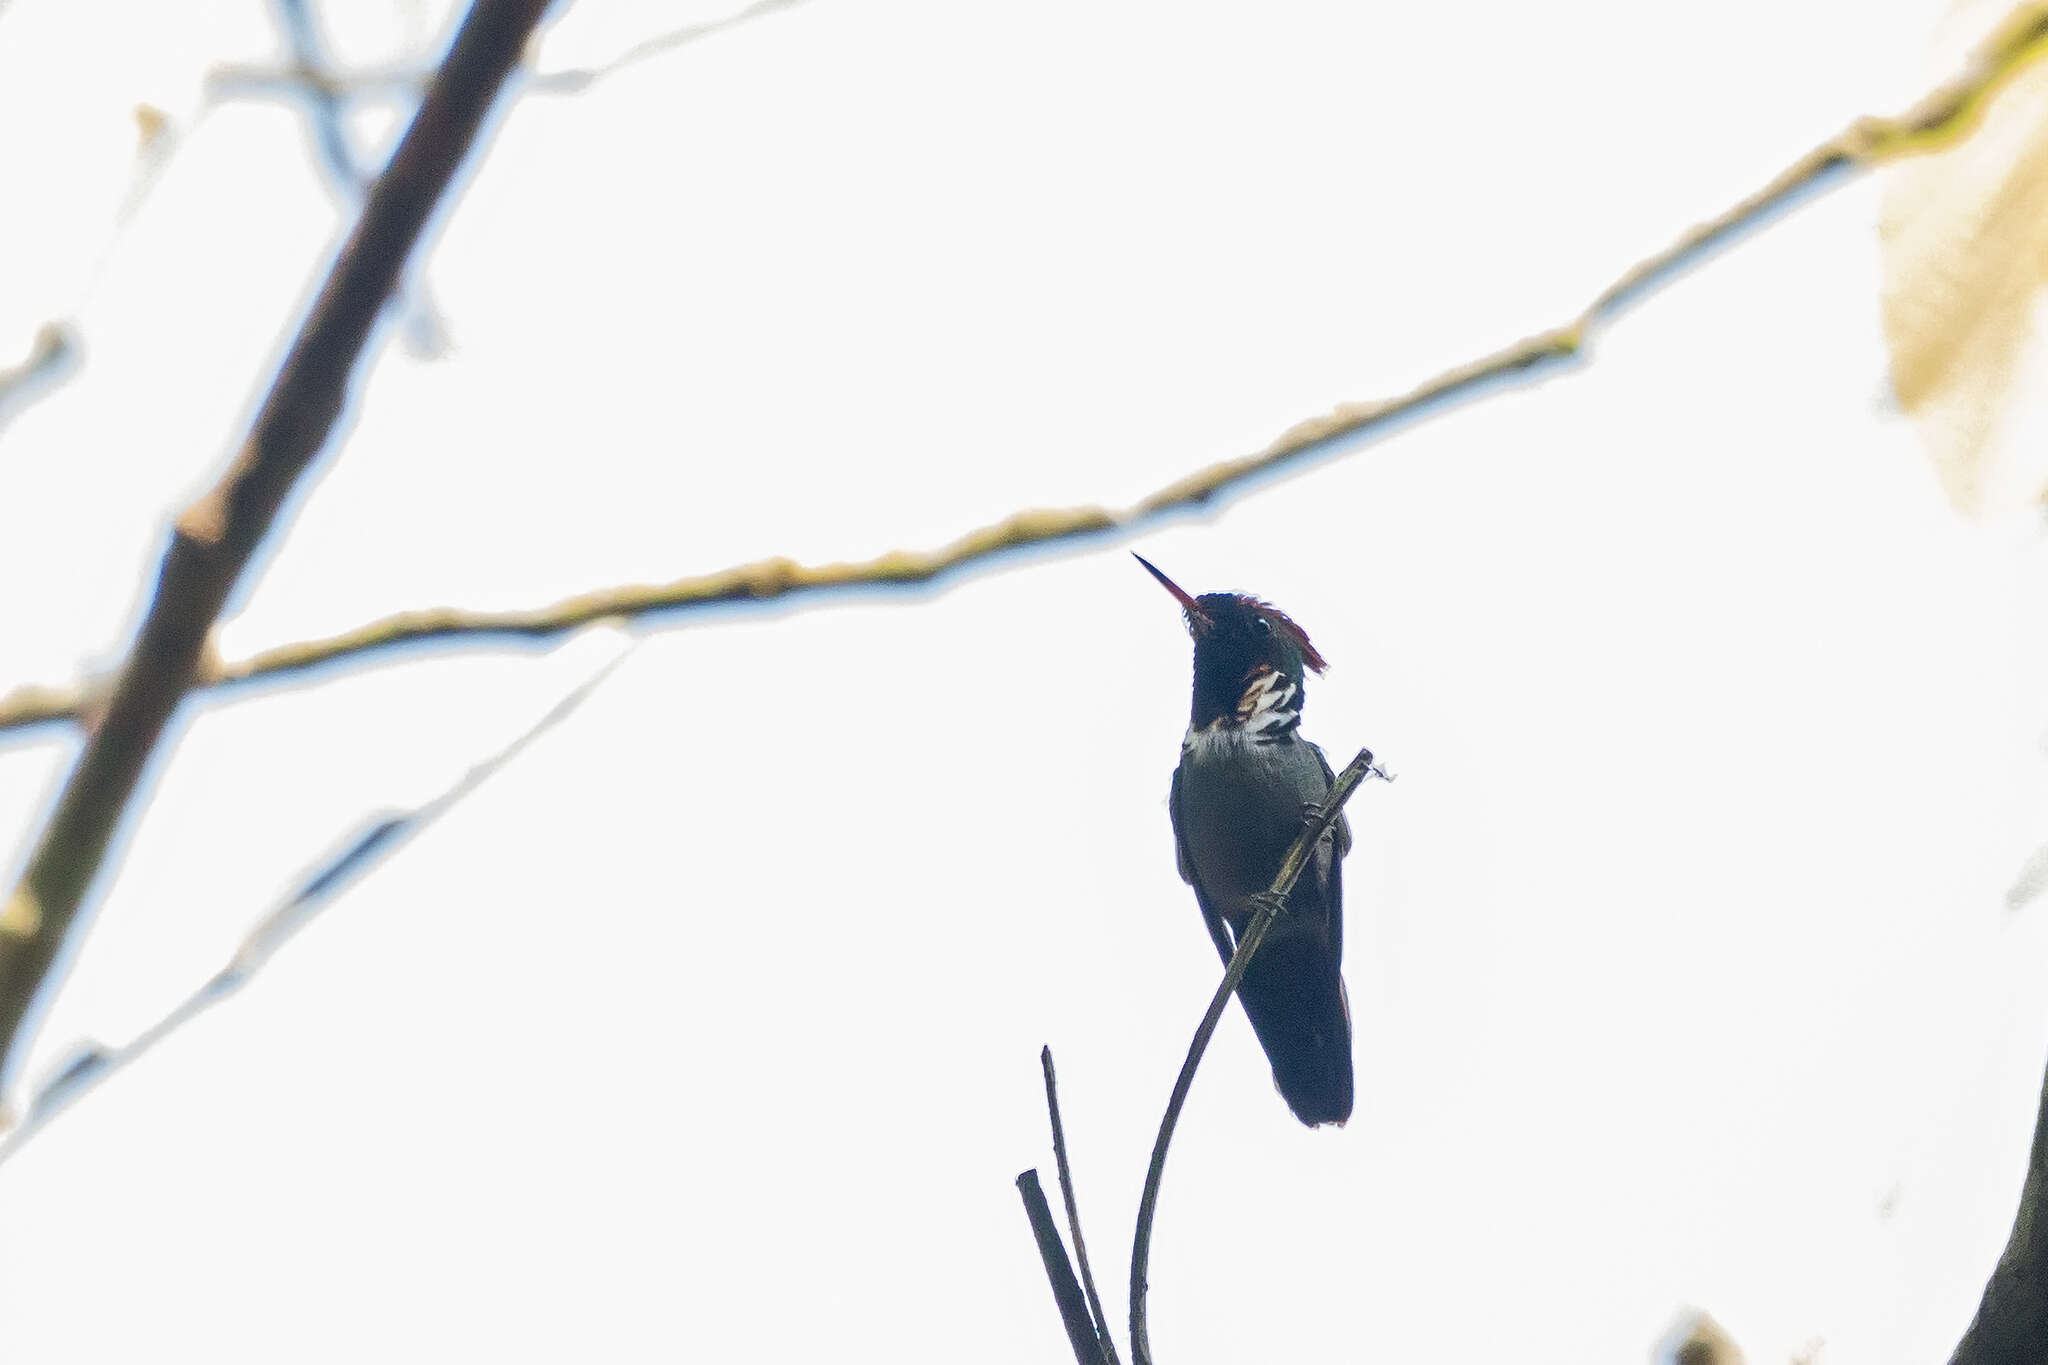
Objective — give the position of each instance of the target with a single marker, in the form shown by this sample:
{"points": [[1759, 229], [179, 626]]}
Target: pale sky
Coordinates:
{"points": [[1679, 956]]}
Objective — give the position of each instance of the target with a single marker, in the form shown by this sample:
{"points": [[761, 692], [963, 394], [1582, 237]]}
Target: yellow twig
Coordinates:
{"points": [[1939, 119]]}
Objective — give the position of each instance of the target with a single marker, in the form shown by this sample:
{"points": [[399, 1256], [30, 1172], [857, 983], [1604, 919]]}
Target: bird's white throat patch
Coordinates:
{"points": [[1269, 707]]}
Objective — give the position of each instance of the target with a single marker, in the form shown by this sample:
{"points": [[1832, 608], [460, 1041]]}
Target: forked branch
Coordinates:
{"points": [[1087, 1325], [1270, 906]]}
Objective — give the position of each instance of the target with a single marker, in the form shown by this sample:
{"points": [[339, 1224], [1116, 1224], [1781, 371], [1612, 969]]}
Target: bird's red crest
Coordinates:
{"points": [[1284, 623]]}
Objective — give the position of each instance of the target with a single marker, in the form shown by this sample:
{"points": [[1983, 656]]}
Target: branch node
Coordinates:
{"points": [[22, 916]]}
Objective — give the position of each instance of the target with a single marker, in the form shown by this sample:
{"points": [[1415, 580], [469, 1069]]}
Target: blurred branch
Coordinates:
{"points": [[214, 540], [1066, 1291], [300, 78], [1104, 1339], [58, 350], [1271, 903], [1940, 118], [2012, 1320], [93, 1064], [52, 356], [575, 80], [324, 107], [295, 80], [344, 170], [2031, 880]]}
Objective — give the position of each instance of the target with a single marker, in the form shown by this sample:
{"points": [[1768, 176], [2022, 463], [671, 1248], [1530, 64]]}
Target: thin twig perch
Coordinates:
{"points": [[1937, 120], [1103, 1336], [1271, 904]]}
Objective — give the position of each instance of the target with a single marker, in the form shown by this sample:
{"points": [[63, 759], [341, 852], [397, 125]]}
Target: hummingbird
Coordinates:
{"points": [[1247, 780]]}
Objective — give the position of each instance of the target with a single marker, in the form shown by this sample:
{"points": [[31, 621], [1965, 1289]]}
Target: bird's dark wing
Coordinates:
{"points": [[1218, 934]]}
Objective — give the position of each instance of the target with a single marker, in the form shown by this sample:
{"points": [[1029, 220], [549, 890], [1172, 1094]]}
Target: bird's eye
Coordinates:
{"points": [[1261, 626]]}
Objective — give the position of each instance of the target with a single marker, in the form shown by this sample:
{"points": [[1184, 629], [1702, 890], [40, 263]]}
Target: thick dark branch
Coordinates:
{"points": [[2011, 1327], [1103, 1337], [1940, 119], [1066, 1290], [1272, 903], [215, 538]]}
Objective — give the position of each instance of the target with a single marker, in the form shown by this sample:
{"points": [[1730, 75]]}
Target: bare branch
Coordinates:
{"points": [[1937, 120], [2012, 1320], [93, 1064], [1104, 1338], [337, 154], [214, 540], [341, 166], [1066, 1291], [1270, 904], [294, 81]]}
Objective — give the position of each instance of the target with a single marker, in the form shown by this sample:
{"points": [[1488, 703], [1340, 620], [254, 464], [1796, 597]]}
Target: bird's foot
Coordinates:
{"points": [[1267, 901], [1311, 813]]}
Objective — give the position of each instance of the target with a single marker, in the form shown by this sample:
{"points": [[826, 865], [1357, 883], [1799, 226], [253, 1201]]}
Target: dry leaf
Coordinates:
{"points": [[1964, 239], [151, 123]]}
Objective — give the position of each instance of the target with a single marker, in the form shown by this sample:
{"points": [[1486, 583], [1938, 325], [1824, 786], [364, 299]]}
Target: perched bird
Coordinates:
{"points": [[1247, 780]]}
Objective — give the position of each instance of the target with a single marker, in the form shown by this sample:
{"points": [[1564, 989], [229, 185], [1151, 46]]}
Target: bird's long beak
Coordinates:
{"points": [[1198, 620]]}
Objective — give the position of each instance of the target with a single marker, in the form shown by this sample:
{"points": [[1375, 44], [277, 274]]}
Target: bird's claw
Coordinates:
{"points": [[1267, 901]]}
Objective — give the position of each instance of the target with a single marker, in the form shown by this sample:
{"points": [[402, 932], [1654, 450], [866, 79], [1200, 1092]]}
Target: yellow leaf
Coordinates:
{"points": [[1964, 240]]}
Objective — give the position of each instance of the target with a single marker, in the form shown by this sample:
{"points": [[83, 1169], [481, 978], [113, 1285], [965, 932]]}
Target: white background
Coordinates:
{"points": [[1679, 955]]}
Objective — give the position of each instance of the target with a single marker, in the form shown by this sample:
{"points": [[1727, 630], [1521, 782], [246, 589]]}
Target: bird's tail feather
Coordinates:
{"points": [[1294, 995]]}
